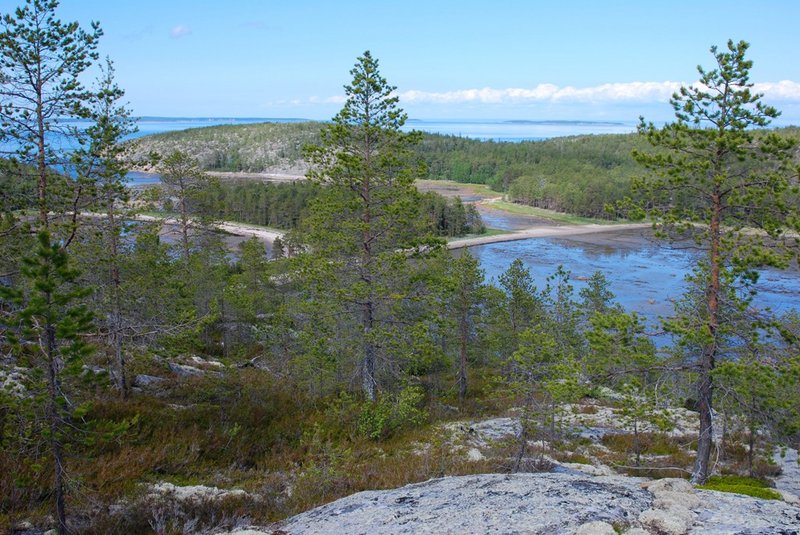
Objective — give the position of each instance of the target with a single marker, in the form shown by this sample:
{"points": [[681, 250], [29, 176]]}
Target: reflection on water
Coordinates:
{"points": [[644, 276]]}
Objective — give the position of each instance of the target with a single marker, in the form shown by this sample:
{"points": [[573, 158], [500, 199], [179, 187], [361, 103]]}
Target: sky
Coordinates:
{"points": [[600, 60]]}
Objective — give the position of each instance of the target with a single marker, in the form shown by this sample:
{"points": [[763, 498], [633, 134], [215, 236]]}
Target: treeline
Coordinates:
{"points": [[577, 175], [282, 205], [580, 175]]}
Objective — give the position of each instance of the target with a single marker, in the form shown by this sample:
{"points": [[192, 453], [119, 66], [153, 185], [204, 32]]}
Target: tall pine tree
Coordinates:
{"points": [[364, 229], [718, 180]]}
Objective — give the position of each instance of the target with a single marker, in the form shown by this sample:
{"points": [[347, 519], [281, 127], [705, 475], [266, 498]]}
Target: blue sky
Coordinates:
{"points": [[593, 60]]}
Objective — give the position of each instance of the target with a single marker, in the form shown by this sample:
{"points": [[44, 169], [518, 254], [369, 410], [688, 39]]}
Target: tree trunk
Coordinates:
{"points": [[41, 162], [523, 444], [462, 357], [116, 320], [184, 225], [55, 427], [751, 448], [705, 388], [368, 382]]}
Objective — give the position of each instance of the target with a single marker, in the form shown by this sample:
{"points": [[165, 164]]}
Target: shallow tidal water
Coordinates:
{"points": [[646, 275]]}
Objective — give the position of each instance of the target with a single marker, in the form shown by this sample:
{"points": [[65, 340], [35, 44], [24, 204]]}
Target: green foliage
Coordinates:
{"points": [[383, 418], [277, 205], [741, 485], [42, 60], [715, 167], [715, 179], [450, 217], [282, 205], [366, 244]]}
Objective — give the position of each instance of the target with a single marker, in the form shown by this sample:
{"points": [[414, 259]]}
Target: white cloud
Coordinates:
{"points": [[783, 91], [181, 30], [619, 93], [336, 99]]}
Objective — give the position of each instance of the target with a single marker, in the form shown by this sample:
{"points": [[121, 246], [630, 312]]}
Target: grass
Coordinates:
{"points": [[475, 189], [559, 217], [488, 232], [741, 485]]}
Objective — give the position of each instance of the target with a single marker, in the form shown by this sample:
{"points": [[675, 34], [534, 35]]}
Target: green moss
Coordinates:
{"points": [[737, 480], [741, 485]]}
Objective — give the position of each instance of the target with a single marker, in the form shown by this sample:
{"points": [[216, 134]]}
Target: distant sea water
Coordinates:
{"points": [[510, 130], [518, 130]]}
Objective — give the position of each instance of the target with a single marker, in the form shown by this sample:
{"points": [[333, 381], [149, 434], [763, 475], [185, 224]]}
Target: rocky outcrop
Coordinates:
{"points": [[194, 493], [549, 503], [12, 381]]}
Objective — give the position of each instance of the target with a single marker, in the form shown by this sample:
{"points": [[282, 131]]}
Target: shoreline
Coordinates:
{"points": [[549, 231]]}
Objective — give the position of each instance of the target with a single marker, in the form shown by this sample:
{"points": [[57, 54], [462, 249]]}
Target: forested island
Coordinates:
{"points": [[159, 382]]}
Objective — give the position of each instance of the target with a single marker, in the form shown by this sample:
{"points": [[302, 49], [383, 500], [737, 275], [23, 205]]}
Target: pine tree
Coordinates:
{"points": [[718, 180], [47, 327], [41, 60], [364, 227], [466, 281], [101, 165], [184, 180]]}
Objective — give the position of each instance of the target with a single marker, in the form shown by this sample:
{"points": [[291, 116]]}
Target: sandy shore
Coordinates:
{"points": [[548, 231]]}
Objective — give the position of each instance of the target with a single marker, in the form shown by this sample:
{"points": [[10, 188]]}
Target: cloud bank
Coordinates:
{"points": [[616, 93]]}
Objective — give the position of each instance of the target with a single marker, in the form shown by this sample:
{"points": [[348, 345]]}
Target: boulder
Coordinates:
{"points": [[193, 493], [667, 499], [184, 370], [143, 380], [675, 521], [596, 528], [555, 503]]}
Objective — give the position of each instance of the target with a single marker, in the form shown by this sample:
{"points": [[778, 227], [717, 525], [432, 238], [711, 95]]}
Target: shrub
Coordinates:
{"points": [[381, 419]]}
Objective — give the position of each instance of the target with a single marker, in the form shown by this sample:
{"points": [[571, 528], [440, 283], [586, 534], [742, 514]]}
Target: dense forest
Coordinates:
{"points": [[136, 363], [580, 175], [282, 206]]}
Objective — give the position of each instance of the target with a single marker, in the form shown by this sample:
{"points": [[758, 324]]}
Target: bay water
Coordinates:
{"points": [[645, 275]]}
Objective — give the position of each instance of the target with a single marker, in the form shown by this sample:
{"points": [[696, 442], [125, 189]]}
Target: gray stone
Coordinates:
{"points": [[489, 503], [147, 380], [789, 480], [671, 484], [667, 499], [676, 521], [183, 370], [596, 528], [560, 504]]}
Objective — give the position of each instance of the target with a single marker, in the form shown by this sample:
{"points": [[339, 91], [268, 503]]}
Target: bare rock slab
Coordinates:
{"points": [[491, 503]]}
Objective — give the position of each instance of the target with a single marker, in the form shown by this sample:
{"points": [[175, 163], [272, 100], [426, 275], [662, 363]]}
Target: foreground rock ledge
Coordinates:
{"points": [[528, 503]]}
